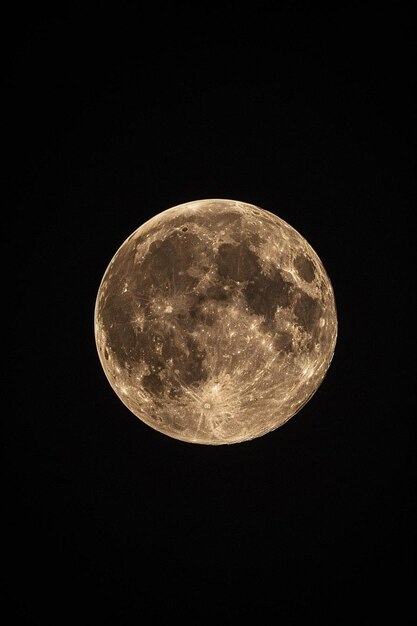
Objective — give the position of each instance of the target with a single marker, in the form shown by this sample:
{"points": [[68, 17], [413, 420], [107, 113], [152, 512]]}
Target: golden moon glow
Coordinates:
{"points": [[215, 322]]}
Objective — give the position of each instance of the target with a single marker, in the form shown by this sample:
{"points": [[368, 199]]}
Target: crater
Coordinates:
{"points": [[305, 268]]}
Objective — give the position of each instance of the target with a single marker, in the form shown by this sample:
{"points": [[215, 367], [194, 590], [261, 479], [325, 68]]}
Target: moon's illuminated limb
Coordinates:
{"points": [[215, 322]]}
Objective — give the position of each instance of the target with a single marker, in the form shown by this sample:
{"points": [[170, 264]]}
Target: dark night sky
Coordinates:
{"points": [[111, 117]]}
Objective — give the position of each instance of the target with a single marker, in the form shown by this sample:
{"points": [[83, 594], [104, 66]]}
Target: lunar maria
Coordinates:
{"points": [[215, 322]]}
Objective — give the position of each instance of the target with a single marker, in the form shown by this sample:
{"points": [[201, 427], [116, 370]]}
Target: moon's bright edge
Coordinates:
{"points": [[215, 322]]}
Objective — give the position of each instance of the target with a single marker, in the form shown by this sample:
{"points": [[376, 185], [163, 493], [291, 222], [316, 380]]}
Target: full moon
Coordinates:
{"points": [[215, 322]]}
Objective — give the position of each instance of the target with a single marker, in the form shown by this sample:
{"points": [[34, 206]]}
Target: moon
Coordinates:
{"points": [[215, 322]]}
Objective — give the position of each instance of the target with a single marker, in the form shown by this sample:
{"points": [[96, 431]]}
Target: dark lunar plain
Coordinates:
{"points": [[110, 117]]}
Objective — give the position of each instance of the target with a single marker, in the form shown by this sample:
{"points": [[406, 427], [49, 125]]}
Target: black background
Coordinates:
{"points": [[304, 109]]}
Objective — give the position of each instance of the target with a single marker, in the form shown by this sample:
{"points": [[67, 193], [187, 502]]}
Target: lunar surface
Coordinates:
{"points": [[215, 322]]}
